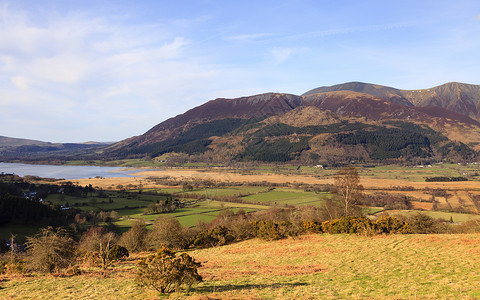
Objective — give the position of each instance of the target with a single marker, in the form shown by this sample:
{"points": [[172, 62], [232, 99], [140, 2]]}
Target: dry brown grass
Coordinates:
{"points": [[235, 176], [310, 267]]}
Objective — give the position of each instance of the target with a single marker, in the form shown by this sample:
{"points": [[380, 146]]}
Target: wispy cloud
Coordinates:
{"points": [[247, 37], [282, 54]]}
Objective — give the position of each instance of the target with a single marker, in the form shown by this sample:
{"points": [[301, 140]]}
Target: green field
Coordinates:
{"points": [[227, 191], [456, 217], [418, 174], [283, 196], [115, 201], [205, 211], [310, 267]]}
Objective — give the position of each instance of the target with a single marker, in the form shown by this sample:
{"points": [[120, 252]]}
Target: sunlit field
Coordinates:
{"points": [[312, 266]]}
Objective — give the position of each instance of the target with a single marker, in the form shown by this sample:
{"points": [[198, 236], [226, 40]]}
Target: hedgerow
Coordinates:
{"points": [[385, 224]]}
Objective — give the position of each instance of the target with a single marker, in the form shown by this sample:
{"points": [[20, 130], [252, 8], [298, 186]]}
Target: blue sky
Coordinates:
{"points": [[76, 71]]}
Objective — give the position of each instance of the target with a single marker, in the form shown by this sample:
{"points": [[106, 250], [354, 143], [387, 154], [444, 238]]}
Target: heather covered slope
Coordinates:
{"points": [[457, 97]]}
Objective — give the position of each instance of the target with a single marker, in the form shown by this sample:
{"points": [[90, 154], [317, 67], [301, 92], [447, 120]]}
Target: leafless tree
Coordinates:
{"points": [[349, 189]]}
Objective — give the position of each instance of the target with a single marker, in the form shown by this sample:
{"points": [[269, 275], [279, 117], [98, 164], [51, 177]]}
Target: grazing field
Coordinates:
{"points": [[310, 267], [447, 216], [283, 196], [205, 210], [111, 201]]}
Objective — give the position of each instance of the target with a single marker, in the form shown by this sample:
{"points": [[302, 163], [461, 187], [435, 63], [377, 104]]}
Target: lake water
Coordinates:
{"points": [[66, 172]]}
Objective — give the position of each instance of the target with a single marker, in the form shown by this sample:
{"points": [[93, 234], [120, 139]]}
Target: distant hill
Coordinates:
{"points": [[15, 142], [25, 149]]}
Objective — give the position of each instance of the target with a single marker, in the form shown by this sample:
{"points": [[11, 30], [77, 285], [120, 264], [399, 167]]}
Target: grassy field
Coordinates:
{"points": [[114, 201], [282, 196], [310, 267], [456, 217]]}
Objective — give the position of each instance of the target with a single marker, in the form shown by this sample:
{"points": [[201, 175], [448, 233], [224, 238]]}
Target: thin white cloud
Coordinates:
{"points": [[282, 54], [247, 37]]}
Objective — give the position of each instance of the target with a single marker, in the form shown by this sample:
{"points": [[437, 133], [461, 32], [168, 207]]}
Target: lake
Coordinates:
{"points": [[66, 172]]}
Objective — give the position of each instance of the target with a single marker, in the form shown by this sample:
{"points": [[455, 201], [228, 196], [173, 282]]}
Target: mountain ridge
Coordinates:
{"points": [[350, 121]]}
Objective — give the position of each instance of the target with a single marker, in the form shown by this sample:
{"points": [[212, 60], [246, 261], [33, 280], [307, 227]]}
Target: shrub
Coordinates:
{"points": [[422, 223], [470, 226], [165, 272], [346, 225], [3, 267], [97, 243], [134, 239], [312, 226], [387, 224], [50, 250], [218, 236], [169, 232], [384, 224], [15, 266], [269, 230], [117, 252], [266, 230]]}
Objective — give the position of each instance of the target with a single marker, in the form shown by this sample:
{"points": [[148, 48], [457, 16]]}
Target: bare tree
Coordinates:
{"points": [[347, 183], [50, 250]]}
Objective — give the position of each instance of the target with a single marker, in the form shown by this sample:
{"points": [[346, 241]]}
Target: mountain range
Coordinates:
{"points": [[351, 121]]}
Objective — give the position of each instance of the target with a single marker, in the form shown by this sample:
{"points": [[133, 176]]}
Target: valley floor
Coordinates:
{"points": [[317, 266]]}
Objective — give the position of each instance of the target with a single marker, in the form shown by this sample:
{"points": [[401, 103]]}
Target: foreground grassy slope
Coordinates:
{"points": [[310, 267]]}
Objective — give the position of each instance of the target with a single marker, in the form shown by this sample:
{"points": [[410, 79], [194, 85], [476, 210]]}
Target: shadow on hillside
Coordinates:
{"points": [[237, 287]]}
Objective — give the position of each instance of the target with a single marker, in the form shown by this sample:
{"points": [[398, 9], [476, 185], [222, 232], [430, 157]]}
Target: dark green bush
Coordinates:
{"points": [[422, 223], [218, 236], [165, 272], [346, 225], [269, 230], [384, 224], [117, 252]]}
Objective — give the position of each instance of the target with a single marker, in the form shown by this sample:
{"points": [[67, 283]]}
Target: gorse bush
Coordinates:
{"points": [[165, 272], [384, 224], [346, 225], [218, 236], [117, 252], [387, 224], [269, 230], [311, 226]]}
